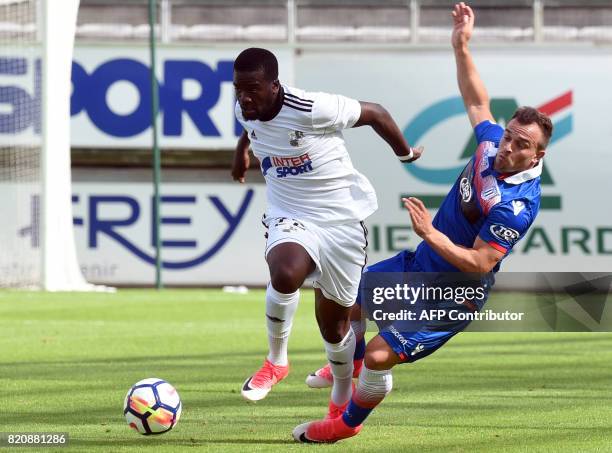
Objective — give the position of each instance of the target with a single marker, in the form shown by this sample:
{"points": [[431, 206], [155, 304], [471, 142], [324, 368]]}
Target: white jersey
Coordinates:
{"points": [[309, 174]]}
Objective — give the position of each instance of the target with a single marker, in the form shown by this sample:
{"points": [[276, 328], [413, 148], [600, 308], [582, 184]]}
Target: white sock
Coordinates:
{"points": [[340, 356], [372, 387], [280, 309]]}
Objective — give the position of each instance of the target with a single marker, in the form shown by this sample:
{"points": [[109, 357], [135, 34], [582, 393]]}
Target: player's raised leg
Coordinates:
{"points": [[375, 383], [289, 265]]}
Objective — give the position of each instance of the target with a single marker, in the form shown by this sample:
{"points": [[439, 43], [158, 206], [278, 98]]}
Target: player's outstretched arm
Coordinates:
{"points": [[380, 120], [241, 158], [481, 258], [471, 86]]}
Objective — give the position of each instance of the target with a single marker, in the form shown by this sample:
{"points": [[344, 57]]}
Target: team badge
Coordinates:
{"points": [[295, 138]]}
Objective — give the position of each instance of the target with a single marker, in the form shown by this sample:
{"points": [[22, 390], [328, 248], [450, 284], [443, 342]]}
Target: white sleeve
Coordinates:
{"points": [[335, 112]]}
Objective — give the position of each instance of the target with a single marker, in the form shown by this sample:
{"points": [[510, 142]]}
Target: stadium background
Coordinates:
{"points": [[541, 53]]}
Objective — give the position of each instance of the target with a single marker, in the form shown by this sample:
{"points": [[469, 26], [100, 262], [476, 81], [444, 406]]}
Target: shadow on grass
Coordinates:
{"points": [[159, 441], [215, 411], [532, 339], [235, 356]]}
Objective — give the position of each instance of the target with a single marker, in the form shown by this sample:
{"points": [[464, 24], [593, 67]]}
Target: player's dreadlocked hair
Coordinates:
{"points": [[529, 115], [253, 59]]}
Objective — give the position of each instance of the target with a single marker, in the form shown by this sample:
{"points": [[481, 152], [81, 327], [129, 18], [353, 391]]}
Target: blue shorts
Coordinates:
{"points": [[411, 346]]}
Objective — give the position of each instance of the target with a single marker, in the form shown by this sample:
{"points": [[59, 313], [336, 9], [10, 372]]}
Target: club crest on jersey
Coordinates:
{"points": [[295, 138], [465, 188], [504, 233], [287, 166]]}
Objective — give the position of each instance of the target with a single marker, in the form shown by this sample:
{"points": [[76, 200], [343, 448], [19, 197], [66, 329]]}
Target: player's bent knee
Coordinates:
{"points": [[287, 279], [379, 355], [288, 275], [377, 360]]}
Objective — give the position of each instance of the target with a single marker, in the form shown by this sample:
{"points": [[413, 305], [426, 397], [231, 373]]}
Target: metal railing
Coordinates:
{"points": [[300, 21]]}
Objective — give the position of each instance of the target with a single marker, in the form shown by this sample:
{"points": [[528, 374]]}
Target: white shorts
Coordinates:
{"points": [[338, 251]]}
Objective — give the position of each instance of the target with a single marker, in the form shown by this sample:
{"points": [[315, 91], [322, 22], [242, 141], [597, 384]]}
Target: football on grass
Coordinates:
{"points": [[152, 406]]}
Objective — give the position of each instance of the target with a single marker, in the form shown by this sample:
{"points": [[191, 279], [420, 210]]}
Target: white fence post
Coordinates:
{"points": [[165, 21], [414, 21], [538, 20], [291, 21]]}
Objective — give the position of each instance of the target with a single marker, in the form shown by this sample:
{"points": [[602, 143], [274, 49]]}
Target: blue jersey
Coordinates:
{"points": [[483, 203]]}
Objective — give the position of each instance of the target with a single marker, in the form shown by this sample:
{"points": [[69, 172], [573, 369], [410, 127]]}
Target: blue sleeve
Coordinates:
{"points": [[503, 228], [488, 132]]}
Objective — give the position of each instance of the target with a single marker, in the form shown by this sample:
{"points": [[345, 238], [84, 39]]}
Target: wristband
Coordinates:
{"points": [[408, 157]]}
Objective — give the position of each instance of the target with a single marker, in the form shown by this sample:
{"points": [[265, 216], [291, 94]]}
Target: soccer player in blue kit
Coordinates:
{"points": [[489, 208]]}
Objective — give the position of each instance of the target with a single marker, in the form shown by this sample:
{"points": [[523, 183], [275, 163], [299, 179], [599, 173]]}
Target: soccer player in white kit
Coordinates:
{"points": [[317, 202]]}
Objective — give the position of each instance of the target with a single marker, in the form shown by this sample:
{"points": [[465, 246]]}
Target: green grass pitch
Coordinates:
{"points": [[67, 360]]}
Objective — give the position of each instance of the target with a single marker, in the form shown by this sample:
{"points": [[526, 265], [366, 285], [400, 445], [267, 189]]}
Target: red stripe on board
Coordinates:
{"points": [[556, 104]]}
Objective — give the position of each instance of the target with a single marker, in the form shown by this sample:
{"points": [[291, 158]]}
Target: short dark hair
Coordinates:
{"points": [[529, 115], [254, 59]]}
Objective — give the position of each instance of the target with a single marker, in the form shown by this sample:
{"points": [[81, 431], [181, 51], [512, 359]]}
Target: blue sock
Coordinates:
{"points": [[360, 348], [354, 415]]}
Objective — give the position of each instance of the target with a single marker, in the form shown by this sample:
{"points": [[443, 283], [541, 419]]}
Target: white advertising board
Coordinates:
{"points": [[573, 231], [211, 233]]}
